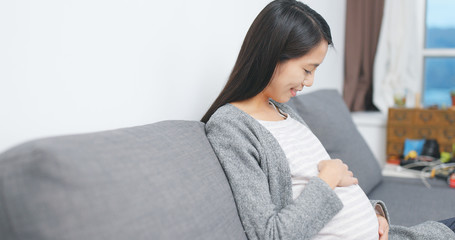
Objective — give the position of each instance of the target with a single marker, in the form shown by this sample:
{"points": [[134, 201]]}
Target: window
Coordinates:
{"points": [[439, 53]]}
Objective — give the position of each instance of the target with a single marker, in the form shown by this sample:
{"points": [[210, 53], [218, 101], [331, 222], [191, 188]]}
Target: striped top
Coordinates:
{"points": [[357, 219]]}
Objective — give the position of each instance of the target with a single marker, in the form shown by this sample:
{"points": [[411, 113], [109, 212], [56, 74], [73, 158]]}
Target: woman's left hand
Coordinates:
{"points": [[383, 228]]}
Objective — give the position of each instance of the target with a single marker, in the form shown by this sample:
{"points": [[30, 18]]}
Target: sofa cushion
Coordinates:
{"points": [[159, 181], [410, 202], [330, 120]]}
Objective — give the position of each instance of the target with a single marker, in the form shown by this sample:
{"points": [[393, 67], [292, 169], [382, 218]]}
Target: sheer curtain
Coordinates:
{"points": [[363, 23], [398, 63]]}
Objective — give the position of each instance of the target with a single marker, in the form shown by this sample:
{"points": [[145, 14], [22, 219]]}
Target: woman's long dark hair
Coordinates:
{"points": [[283, 30]]}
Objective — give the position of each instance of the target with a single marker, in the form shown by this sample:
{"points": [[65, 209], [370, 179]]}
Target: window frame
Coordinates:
{"points": [[427, 52]]}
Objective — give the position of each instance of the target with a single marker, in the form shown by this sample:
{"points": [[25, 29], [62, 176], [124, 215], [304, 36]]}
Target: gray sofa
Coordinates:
{"points": [[163, 181]]}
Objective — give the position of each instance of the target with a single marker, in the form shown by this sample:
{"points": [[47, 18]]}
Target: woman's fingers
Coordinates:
{"points": [[383, 228], [336, 173], [356, 181]]}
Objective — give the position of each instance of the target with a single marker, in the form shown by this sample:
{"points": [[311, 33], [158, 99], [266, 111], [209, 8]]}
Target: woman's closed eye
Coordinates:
{"points": [[307, 72]]}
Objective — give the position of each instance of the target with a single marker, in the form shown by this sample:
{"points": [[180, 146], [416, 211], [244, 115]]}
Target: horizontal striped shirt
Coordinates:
{"points": [[303, 150]]}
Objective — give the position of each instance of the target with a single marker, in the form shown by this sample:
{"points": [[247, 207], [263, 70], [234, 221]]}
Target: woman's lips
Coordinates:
{"points": [[293, 92]]}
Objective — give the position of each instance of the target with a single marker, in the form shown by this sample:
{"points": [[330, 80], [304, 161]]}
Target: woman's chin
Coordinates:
{"points": [[283, 99]]}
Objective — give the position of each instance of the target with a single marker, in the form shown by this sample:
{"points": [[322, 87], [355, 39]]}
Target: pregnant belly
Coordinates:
{"points": [[357, 219]]}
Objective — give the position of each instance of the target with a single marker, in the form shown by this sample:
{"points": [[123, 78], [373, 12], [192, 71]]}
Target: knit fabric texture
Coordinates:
{"points": [[260, 180]]}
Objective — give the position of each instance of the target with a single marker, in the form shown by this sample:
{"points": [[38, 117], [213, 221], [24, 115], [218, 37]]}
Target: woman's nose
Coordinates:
{"points": [[308, 82]]}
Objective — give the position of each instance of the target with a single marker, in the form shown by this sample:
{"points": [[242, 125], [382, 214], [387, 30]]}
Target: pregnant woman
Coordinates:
{"points": [[284, 183]]}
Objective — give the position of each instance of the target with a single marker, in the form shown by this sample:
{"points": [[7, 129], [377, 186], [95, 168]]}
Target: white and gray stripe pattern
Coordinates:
{"points": [[357, 219]]}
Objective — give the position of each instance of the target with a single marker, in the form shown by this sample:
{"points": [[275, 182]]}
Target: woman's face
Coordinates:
{"points": [[292, 75]]}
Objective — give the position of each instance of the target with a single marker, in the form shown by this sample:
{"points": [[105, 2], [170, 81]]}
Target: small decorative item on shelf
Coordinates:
{"points": [[418, 152], [451, 179], [395, 160], [417, 99], [431, 148], [446, 157], [399, 98]]}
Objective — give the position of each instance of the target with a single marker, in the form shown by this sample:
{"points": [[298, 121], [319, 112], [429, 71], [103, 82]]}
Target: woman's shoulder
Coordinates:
{"points": [[222, 114], [228, 113], [231, 119], [224, 111]]}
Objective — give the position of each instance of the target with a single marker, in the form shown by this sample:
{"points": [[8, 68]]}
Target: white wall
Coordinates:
{"points": [[81, 66], [373, 128]]}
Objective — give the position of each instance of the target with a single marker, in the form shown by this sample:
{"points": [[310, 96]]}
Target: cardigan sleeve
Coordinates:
{"points": [[238, 151], [383, 209]]}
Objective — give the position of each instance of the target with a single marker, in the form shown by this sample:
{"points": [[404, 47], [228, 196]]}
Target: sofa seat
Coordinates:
{"points": [[410, 202]]}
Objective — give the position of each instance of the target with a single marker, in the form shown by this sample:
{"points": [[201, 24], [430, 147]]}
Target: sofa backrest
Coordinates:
{"points": [[158, 181], [330, 120]]}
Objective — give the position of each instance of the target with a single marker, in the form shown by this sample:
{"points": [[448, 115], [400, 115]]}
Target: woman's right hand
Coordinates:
{"points": [[336, 173]]}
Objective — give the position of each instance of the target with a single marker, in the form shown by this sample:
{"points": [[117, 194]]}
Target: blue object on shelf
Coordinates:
{"points": [[413, 144]]}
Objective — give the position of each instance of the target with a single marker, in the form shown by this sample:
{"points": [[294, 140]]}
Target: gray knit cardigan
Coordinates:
{"points": [[260, 179]]}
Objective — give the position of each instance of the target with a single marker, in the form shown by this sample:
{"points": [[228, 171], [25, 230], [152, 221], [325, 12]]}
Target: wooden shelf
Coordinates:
{"points": [[410, 123]]}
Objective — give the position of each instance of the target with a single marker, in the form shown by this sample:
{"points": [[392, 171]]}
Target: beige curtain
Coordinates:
{"points": [[363, 24]]}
